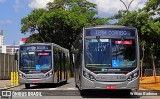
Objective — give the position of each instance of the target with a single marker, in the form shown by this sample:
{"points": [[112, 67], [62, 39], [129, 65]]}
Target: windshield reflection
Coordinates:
{"points": [[110, 53], [35, 61], [123, 53], [43, 60], [97, 52]]}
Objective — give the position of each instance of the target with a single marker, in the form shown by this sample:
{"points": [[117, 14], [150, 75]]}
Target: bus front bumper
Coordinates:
{"points": [[36, 81], [87, 84]]}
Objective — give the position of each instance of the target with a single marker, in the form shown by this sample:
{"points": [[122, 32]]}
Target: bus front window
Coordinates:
{"points": [[35, 62], [97, 52], [110, 53], [123, 53], [43, 60], [27, 61]]}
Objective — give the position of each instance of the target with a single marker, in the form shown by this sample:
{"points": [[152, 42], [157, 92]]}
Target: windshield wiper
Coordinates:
{"points": [[30, 58], [29, 55]]}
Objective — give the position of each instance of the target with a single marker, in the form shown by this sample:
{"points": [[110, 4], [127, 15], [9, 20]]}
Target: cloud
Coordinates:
{"points": [[2, 1], [105, 8], [18, 5], [38, 3], [108, 8], [7, 21]]}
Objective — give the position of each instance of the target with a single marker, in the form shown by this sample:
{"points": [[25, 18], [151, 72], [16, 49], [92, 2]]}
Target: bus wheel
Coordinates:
{"points": [[83, 92], [65, 82], [27, 86]]}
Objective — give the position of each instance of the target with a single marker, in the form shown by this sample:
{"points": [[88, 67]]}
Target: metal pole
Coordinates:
{"points": [[127, 7]]}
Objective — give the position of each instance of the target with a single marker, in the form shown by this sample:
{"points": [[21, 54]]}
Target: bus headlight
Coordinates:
{"points": [[22, 75], [88, 76], [129, 78], [133, 76], [49, 74]]}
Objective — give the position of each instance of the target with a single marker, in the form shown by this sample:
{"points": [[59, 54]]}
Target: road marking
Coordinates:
{"points": [[71, 88], [52, 89]]}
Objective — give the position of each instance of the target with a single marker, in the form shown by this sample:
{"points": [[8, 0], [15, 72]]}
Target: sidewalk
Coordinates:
{"points": [[6, 84]]}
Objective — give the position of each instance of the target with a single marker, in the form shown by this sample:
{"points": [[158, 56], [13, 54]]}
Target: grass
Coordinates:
{"points": [[149, 83]]}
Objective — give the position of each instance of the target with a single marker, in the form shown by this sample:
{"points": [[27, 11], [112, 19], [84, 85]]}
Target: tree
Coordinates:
{"points": [[61, 25], [147, 26], [143, 44], [30, 25]]}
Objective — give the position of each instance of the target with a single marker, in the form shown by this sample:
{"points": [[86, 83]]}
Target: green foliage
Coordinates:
{"points": [[29, 23], [61, 22], [34, 38], [152, 4], [147, 25]]}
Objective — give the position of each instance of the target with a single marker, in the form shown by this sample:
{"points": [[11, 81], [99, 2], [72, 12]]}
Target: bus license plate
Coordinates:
{"points": [[35, 81], [111, 87]]}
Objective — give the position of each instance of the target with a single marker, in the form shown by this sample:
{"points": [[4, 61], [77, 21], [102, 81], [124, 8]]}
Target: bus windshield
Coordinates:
{"points": [[110, 52], [35, 61], [97, 52]]}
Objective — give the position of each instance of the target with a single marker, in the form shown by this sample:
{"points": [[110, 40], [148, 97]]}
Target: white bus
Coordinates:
{"points": [[107, 57], [42, 63]]}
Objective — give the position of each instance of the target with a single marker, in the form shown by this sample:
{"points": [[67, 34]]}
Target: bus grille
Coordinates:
{"points": [[34, 76]]}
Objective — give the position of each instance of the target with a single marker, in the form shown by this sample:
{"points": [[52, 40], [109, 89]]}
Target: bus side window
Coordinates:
{"points": [[56, 61]]}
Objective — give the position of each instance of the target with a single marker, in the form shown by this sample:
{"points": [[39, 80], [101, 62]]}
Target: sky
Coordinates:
{"points": [[12, 11]]}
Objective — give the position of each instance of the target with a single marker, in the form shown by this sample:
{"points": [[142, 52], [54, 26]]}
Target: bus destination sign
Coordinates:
{"points": [[109, 32], [36, 47]]}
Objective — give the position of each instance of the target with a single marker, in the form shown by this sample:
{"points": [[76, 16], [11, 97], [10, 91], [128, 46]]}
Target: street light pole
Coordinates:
{"points": [[127, 7]]}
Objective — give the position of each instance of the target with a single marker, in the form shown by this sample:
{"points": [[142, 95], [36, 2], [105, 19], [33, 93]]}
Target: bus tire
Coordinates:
{"points": [[76, 86], [83, 92], [65, 82], [27, 86]]}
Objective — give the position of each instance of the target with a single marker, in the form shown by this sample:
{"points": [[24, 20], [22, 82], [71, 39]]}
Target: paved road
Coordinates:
{"points": [[68, 91], [69, 86]]}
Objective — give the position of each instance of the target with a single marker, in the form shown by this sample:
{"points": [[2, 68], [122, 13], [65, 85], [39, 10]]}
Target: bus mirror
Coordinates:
{"points": [[80, 44], [16, 55], [140, 51]]}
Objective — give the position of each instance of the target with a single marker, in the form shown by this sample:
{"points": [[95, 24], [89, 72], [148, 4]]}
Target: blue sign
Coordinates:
{"points": [[109, 32], [38, 67], [115, 63]]}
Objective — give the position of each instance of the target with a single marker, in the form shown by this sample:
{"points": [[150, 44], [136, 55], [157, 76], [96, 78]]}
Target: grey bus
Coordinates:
{"points": [[40, 63], [107, 57]]}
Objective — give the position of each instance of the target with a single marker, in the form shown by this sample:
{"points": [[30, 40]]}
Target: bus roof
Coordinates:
{"points": [[110, 26], [26, 44], [35, 44]]}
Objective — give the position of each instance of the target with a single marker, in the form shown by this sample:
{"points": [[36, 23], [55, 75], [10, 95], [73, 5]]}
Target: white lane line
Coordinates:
{"points": [[52, 89], [70, 88], [32, 89]]}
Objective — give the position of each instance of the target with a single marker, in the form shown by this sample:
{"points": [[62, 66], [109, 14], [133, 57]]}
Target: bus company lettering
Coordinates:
{"points": [[112, 33], [113, 69], [105, 69]]}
